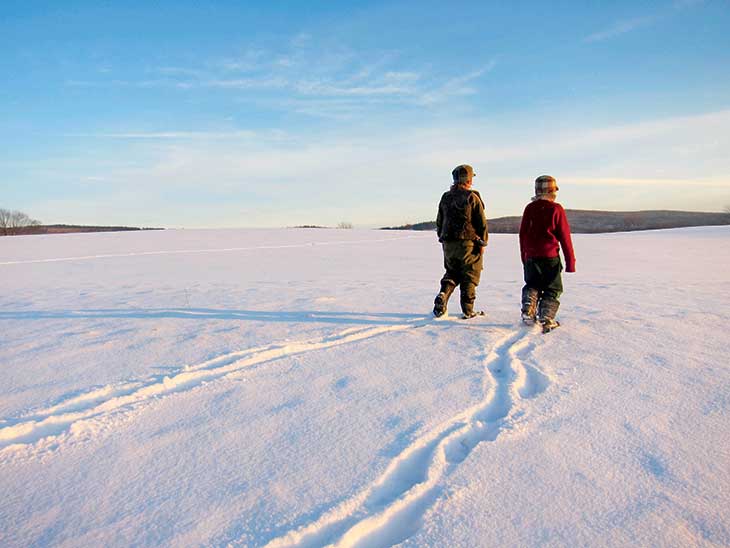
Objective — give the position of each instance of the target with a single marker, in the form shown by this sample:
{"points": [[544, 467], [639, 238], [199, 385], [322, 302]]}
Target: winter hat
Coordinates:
{"points": [[545, 184], [462, 174]]}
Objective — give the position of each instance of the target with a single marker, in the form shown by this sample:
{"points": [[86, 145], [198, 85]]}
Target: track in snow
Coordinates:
{"points": [[101, 403], [390, 510], [196, 251]]}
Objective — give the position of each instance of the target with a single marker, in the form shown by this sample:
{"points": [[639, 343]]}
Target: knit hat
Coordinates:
{"points": [[462, 173], [545, 184]]}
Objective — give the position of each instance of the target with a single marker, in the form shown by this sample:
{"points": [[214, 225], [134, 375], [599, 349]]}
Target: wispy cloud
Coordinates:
{"points": [[177, 135], [142, 83], [333, 108], [180, 71], [317, 175], [329, 89], [251, 59], [621, 27], [457, 86], [302, 73], [264, 82], [684, 182], [625, 26]]}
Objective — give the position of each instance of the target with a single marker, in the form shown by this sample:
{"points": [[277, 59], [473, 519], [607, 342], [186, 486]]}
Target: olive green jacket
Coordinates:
{"points": [[461, 216]]}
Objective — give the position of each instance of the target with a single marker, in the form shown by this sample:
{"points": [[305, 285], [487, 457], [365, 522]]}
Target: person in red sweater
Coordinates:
{"points": [[543, 231]]}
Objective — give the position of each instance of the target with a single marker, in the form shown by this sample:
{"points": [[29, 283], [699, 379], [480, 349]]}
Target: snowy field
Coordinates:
{"points": [[290, 388]]}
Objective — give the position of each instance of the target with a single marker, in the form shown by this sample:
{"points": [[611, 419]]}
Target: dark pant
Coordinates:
{"points": [[543, 286], [463, 263]]}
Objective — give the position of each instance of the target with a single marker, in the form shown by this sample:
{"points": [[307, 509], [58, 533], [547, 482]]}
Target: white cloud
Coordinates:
{"points": [[252, 59], [305, 74], [178, 135], [395, 175], [620, 27], [694, 183], [401, 77], [369, 69], [319, 88], [454, 87], [180, 71], [428, 155], [332, 108], [629, 25], [265, 82]]}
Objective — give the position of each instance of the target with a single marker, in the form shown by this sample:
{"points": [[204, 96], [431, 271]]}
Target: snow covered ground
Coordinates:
{"points": [[289, 388]]}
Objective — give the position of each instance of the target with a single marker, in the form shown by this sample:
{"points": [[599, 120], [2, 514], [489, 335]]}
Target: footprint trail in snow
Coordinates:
{"points": [[99, 404], [390, 510]]}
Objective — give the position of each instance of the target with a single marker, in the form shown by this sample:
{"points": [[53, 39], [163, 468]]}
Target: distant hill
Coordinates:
{"points": [[590, 222], [65, 229]]}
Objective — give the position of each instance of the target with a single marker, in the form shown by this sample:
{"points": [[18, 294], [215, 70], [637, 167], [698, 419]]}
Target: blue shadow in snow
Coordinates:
{"points": [[311, 316]]}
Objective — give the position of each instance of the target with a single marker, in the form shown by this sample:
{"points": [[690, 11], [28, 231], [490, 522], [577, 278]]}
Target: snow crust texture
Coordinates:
{"points": [[290, 388]]}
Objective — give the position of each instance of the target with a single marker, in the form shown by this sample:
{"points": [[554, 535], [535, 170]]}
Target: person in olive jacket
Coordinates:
{"points": [[461, 226], [544, 230]]}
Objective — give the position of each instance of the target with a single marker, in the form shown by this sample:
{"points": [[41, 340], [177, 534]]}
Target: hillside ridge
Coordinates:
{"points": [[589, 221]]}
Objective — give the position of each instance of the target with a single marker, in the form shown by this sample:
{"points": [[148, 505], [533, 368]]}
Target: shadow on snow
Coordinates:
{"points": [[366, 318]]}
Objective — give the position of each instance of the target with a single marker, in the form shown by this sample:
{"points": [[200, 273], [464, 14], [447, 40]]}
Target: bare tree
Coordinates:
{"points": [[12, 221], [4, 220], [726, 209], [344, 224]]}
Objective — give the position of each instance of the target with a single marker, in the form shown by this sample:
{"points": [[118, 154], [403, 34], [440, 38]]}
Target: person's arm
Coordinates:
{"points": [[524, 223], [566, 241], [479, 219], [439, 221], [485, 239]]}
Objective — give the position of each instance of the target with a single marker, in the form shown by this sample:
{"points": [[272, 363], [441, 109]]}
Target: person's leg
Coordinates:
{"points": [[530, 291], [442, 299], [473, 265], [468, 296], [450, 279], [529, 303], [552, 288]]}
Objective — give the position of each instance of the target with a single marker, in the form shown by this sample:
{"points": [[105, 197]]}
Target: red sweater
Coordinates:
{"points": [[544, 230]]}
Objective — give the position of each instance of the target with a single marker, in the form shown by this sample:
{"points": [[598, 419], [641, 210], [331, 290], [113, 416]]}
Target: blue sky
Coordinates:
{"points": [[225, 114]]}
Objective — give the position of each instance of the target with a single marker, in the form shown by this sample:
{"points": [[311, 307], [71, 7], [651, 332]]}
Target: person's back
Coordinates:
{"points": [[458, 216], [461, 227], [544, 230]]}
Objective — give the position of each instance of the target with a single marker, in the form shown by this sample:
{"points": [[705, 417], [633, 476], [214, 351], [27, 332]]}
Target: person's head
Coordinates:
{"points": [[463, 175], [546, 188]]}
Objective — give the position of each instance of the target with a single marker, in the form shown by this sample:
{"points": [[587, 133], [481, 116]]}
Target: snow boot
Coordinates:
{"points": [[468, 296], [549, 325], [442, 299], [529, 305], [548, 309]]}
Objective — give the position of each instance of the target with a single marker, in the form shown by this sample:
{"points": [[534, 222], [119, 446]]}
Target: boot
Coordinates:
{"points": [[442, 299], [548, 309], [468, 296], [529, 304]]}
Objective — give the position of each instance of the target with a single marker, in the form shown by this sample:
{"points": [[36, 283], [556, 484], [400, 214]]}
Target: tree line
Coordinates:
{"points": [[13, 221]]}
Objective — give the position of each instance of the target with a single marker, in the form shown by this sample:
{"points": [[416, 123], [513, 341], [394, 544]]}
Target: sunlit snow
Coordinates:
{"points": [[290, 388]]}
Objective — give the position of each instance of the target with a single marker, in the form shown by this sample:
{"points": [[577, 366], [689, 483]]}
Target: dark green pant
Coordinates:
{"points": [[544, 275], [543, 286], [463, 264]]}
